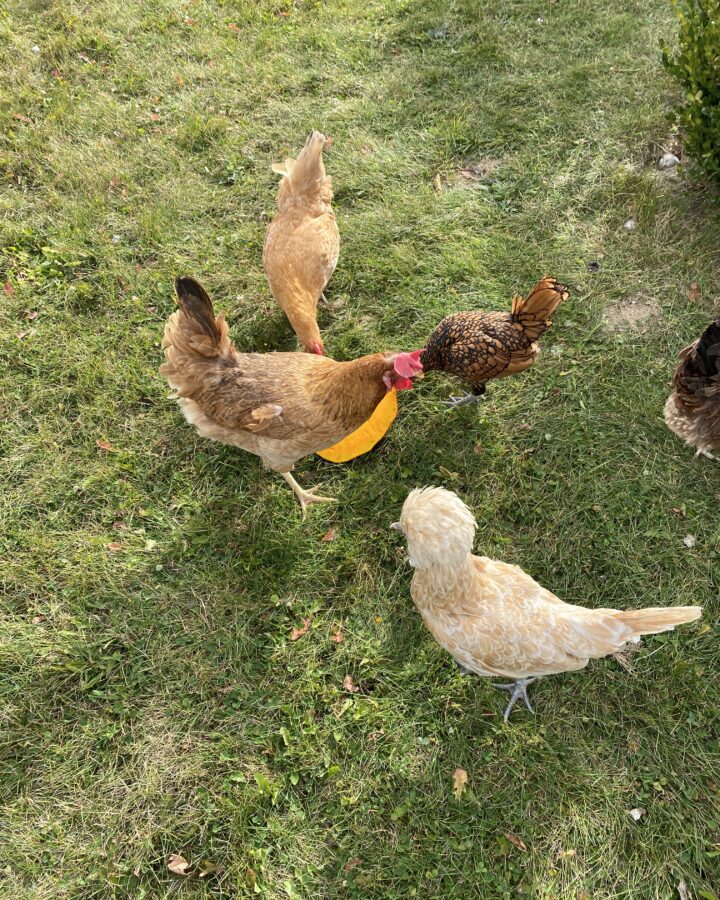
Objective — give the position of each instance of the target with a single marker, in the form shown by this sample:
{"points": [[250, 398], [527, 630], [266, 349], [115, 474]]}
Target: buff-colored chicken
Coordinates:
{"points": [[692, 411], [480, 346], [279, 406], [302, 243], [493, 617]]}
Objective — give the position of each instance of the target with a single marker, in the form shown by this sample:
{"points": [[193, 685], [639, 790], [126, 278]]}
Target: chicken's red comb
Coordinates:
{"points": [[408, 364]]}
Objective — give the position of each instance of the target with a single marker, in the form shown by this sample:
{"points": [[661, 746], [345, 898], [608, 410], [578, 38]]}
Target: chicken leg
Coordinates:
{"points": [[708, 455], [305, 497], [518, 691]]}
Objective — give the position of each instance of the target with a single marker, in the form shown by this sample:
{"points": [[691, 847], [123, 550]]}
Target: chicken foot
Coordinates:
{"points": [[305, 497], [708, 455], [518, 691], [475, 397]]}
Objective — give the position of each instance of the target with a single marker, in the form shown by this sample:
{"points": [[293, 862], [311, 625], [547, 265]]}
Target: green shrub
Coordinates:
{"points": [[696, 66]]}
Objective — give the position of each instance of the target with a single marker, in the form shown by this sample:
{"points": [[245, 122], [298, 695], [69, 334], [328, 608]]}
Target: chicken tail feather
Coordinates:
{"points": [[534, 311], [194, 339], [701, 359], [195, 302], [657, 619]]}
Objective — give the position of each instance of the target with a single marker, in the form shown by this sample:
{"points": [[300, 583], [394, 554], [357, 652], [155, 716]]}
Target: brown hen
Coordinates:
{"points": [[279, 406], [302, 243], [479, 346], [692, 411]]}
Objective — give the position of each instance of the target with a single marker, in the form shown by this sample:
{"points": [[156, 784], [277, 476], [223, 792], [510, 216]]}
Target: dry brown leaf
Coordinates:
{"points": [[177, 864], [437, 183], [180, 80], [694, 292], [31, 315], [683, 892], [329, 535], [119, 526], [136, 871], [21, 118], [104, 445], [37, 620], [352, 863], [114, 546], [460, 780], [188, 21], [299, 632], [515, 840], [9, 289], [567, 854], [349, 686], [338, 637], [21, 334], [233, 27]]}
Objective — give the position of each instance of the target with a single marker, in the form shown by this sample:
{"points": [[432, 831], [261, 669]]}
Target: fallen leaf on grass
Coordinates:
{"points": [[9, 289], [437, 183], [104, 445], [114, 546], [154, 117], [567, 854], [637, 813], [21, 334], [329, 535], [233, 27], [136, 871], [460, 780], [21, 118], [177, 864], [207, 868], [515, 840], [299, 632], [683, 892], [349, 686], [689, 540], [352, 863], [694, 292], [31, 315], [188, 21], [338, 637], [38, 620]]}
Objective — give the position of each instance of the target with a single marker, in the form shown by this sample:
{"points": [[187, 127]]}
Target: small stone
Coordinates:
{"points": [[540, 20], [630, 225], [35, 49], [689, 541], [668, 161], [637, 813]]}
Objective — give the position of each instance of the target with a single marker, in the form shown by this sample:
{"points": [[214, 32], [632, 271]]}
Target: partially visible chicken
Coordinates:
{"points": [[302, 243], [692, 411], [478, 346], [493, 617], [279, 406]]}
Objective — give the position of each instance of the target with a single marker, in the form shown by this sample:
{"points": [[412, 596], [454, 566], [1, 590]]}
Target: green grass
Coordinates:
{"points": [[152, 700]]}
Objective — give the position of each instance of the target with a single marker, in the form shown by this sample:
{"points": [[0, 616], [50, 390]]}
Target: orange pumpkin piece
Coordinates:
{"points": [[364, 438]]}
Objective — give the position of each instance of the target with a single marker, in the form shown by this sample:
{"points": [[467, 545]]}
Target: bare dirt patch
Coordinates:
{"points": [[479, 170], [633, 315]]}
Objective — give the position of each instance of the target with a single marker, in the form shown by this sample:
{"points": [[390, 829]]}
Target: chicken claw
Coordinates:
{"points": [[518, 691], [305, 497], [708, 455], [462, 401]]}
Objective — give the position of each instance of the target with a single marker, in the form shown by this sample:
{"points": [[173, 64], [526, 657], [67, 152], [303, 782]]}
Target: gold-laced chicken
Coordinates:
{"points": [[479, 346], [692, 411]]}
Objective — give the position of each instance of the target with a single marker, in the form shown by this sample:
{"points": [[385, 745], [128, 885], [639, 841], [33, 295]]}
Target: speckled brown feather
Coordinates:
{"points": [[479, 346], [692, 410]]}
